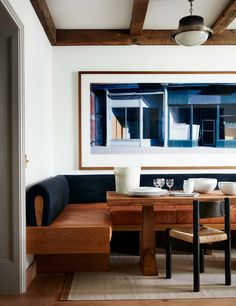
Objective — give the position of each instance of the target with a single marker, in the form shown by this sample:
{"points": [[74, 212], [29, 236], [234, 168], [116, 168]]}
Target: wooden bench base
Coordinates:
{"points": [[72, 262], [67, 240], [65, 249]]}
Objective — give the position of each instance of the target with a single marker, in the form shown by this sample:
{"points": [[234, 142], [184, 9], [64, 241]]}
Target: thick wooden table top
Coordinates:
{"points": [[116, 199]]}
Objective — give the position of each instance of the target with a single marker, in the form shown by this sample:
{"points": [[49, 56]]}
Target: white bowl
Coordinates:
{"points": [[204, 185], [227, 187]]}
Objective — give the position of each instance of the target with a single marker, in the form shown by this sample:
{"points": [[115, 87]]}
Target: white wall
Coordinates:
{"points": [[67, 61], [38, 94]]}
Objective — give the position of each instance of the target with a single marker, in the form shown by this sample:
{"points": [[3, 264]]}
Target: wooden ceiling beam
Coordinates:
{"points": [[225, 18], [138, 16], [122, 37], [44, 15], [93, 37], [228, 37]]}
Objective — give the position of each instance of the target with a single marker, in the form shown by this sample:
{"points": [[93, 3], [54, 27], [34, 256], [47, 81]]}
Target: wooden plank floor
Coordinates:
{"points": [[45, 290]]}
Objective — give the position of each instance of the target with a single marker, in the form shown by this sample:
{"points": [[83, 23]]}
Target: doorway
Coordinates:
{"points": [[12, 184], [205, 116], [208, 132]]}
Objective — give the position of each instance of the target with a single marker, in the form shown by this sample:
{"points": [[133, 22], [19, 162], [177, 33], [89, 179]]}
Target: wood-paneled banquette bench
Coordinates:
{"points": [[65, 236], [70, 225]]}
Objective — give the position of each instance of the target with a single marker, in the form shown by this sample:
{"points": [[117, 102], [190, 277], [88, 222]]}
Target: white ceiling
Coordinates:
{"points": [[165, 14], [116, 14], [232, 25], [91, 14]]}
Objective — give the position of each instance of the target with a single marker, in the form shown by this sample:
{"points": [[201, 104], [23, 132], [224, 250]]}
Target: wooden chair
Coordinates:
{"points": [[199, 236]]}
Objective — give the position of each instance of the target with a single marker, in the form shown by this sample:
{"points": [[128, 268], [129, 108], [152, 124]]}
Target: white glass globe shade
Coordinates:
{"points": [[191, 38]]}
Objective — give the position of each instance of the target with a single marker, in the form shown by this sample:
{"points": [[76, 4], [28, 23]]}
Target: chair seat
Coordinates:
{"points": [[206, 234]]}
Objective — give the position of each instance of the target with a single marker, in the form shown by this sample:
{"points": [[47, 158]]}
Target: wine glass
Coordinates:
{"points": [[157, 183], [162, 182], [169, 183]]}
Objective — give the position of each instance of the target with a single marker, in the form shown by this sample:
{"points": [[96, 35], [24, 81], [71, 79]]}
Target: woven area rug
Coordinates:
{"points": [[126, 282]]}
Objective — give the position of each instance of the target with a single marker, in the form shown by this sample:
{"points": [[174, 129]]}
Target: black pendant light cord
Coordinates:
{"points": [[191, 7]]}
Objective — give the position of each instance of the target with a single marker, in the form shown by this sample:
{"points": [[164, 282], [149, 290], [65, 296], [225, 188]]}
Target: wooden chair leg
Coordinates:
{"points": [[168, 255], [202, 252]]}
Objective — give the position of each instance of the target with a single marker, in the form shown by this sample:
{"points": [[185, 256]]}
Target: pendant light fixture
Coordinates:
{"points": [[192, 31]]}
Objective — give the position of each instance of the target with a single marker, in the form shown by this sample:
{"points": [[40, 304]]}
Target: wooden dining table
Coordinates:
{"points": [[148, 261]]}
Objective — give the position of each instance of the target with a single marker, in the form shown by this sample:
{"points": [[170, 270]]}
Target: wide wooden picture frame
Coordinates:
{"points": [[157, 120]]}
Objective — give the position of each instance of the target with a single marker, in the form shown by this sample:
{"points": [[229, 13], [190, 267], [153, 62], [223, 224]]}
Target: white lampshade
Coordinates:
{"points": [[191, 38]]}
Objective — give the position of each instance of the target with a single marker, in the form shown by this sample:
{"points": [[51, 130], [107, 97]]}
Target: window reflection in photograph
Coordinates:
{"points": [[228, 122]]}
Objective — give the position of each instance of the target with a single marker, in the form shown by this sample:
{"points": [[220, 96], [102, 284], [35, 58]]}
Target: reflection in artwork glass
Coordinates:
{"points": [[179, 123], [143, 116], [228, 122]]}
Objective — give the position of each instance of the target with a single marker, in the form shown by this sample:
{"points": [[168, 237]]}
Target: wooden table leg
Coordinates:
{"points": [[147, 243]]}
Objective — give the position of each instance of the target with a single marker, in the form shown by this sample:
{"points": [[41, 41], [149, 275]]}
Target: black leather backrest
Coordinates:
{"points": [[89, 188], [211, 209], [55, 193], [92, 188], [147, 179]]}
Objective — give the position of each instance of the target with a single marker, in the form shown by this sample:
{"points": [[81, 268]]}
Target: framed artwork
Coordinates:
{"points": [[157, 120]]}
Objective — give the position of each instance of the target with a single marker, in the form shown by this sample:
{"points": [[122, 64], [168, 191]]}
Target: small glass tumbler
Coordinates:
{"points": [[188, 186]]}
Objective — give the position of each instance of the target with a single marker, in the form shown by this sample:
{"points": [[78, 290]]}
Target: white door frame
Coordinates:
{"points": [[19, 223]]}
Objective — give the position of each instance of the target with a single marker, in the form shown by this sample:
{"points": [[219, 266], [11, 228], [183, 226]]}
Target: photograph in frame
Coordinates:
{"points": [[157, 120]]}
